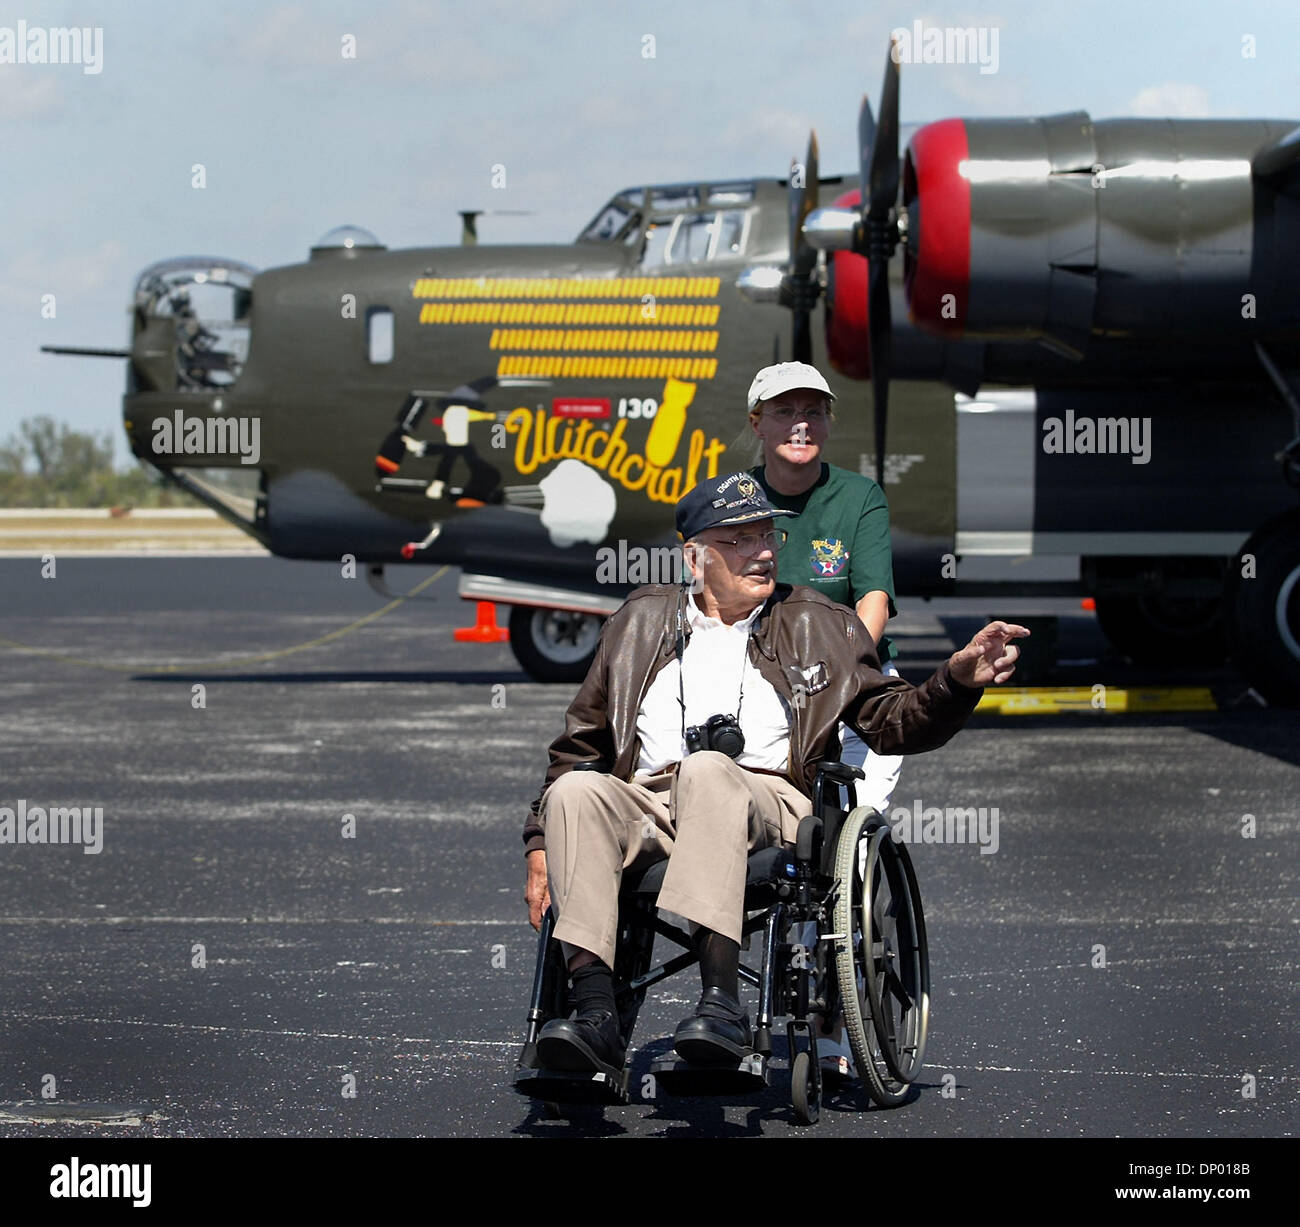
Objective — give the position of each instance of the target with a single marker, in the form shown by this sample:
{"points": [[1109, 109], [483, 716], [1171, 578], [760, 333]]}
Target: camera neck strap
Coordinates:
{"points": [[679, 648]]}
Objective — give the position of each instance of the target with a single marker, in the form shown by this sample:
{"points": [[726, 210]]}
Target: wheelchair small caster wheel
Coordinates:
{"points": [[805, 1089]]}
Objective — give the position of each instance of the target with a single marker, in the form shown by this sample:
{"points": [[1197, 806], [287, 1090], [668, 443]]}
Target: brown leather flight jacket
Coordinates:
{"points": [[801, 639]]}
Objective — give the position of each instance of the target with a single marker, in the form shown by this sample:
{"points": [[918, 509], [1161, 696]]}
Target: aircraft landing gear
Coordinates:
{"points": [[1262, 609], [554, 645], [1163, 613]]}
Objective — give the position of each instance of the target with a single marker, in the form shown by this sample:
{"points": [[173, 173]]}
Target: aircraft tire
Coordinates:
{"points": [[1262, 610], [553, 645], [1163, 632]]}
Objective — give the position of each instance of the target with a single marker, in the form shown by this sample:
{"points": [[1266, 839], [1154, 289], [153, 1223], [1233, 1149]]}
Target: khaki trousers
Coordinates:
{"points": [[707, 817]]}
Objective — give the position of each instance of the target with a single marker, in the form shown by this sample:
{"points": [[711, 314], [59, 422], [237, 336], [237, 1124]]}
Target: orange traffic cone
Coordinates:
{"points": [[485, 628]]}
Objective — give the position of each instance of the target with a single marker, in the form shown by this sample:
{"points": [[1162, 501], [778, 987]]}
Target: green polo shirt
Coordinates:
{"points": [[839, 540]]}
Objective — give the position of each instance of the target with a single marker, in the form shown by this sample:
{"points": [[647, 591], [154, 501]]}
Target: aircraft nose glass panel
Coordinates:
{"points": [[205, 310]]}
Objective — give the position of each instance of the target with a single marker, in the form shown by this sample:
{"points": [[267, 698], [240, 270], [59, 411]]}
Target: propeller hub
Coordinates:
{"points": [[831, 229], [761, 284]]}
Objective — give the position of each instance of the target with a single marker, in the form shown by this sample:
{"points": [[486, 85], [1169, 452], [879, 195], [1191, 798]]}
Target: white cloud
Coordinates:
{"points": [[65, 274], [414, 45], [992, 94], [285, 37], [29, 93], [770, 138], [1173, 100]]}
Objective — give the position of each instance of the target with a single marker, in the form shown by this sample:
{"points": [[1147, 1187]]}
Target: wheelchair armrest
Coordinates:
{"points": [[831, 777], [841, 773]]}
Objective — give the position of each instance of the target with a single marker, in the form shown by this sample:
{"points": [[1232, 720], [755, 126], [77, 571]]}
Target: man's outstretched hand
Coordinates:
{"points": [[990, 657]]}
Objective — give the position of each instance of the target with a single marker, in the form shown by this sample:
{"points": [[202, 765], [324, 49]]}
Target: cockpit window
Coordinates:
{"points": [[731, 194], [206, 304], [610, 222], [691, 242], [619, 221], [673, 199], [731, 234], [695, 238], [657, 234]]}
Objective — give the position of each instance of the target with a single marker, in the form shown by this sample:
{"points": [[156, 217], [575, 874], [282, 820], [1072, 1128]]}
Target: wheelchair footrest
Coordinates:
{"points": [[680, 1077], [565, 1086]]}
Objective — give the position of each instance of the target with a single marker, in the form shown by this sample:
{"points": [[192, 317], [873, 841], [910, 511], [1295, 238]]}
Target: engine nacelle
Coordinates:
{"points": [[1059, 228], [847, 342]]}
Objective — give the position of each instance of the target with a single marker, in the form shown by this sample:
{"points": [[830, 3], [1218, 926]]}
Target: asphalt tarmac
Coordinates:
{"points": [[229, 964]]}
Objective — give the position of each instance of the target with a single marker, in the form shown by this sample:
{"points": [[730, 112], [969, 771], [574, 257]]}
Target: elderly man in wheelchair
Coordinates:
{"points": [[692, 777]]}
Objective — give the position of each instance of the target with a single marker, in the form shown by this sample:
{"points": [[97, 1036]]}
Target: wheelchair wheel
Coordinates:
{"points": [[882, 966], [803, 1088]]}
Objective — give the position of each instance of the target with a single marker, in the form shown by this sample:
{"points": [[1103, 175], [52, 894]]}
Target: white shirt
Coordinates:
{"points": [[715, 660]]}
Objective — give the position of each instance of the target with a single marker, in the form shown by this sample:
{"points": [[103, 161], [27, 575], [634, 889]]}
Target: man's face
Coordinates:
{"points": [[736, 581], [793, 426]]}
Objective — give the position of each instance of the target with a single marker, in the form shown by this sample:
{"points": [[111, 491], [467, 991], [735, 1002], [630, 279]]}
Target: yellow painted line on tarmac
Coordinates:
{"points": [[1052, 701], [236, 662]]}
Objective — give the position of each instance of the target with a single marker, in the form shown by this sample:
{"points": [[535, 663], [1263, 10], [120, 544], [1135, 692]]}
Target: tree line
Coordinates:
{"points": [[45, 463]]}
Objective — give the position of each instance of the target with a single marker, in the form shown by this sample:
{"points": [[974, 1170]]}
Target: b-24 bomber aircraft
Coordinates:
{"points": [[1092, 323]]}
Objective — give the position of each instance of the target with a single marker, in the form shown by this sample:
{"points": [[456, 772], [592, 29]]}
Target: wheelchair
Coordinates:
{"points": [[855, 883]]}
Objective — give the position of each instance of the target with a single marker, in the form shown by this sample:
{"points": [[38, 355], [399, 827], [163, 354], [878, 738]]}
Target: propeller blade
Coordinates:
{"points": [[801, 334], [882, 170], [801, 291], [880, 332], [806, 257], [878, 149], [866, 140], [794, 206]]}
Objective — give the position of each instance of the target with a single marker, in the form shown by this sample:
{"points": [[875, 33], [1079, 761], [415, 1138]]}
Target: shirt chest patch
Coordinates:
{"points": [[829, 557]]}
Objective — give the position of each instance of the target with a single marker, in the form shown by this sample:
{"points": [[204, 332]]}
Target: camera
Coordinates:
{"points": [[720, 733]]}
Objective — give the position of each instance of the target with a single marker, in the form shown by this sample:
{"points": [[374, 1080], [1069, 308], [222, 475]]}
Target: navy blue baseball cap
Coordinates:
{"points": [[736, 498]]}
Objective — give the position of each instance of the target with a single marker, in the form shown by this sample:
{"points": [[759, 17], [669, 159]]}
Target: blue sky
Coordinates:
{"points": [[296, 138]]}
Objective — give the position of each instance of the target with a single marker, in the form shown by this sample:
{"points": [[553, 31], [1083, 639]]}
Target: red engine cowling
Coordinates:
{"points": [[1061, 230], [936, 260], [847, 343]]}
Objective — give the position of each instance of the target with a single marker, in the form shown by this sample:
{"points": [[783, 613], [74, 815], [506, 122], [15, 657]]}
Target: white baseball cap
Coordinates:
{"points": [[785, 377]]}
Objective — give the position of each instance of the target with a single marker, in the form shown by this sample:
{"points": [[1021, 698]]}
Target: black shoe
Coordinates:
{"points": [[716, 1034], [589, 1044]]}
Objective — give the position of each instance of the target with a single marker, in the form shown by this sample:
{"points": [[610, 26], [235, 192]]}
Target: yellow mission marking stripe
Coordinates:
{"points": [[540, 366], [1048, 701], [618, 339], [566, 287], [622, 315]]}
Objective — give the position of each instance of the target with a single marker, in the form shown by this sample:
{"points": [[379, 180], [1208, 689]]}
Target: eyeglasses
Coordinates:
{"points": [[785, 414], [749, 544]]}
